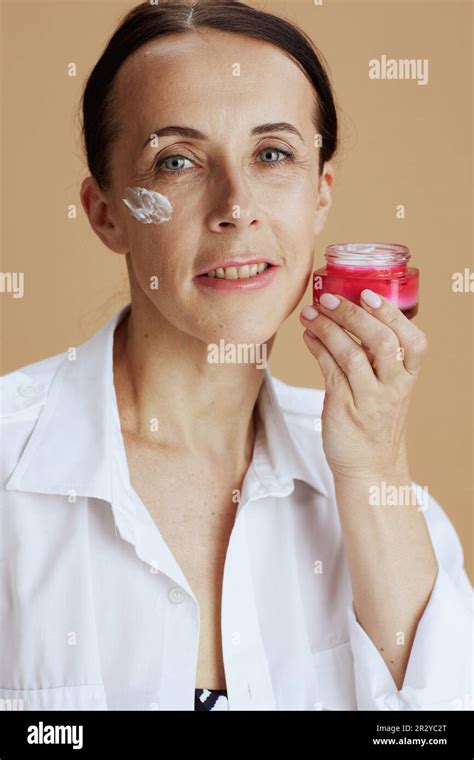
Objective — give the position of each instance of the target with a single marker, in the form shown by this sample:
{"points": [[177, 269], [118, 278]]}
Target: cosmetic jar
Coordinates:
{"points": [[381, 267]]}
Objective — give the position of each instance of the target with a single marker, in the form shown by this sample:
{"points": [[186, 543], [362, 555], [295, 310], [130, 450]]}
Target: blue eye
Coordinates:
{"points": [[287, 153], [174, 170], [288, 156]]}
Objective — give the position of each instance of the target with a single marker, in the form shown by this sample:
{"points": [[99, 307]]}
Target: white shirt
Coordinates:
{"points": [[96, 613]]}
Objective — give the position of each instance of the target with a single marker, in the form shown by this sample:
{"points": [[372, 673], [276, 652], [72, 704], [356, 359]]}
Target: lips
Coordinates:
{"points": [[235, 284], [237, 273], [236, 263]]}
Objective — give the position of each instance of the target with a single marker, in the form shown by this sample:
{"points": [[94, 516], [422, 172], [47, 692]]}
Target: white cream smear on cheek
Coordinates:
{"points": [[148, 206]]}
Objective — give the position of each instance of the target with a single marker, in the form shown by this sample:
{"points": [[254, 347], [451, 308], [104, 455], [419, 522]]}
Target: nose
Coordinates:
{"points": [[234, 204]]}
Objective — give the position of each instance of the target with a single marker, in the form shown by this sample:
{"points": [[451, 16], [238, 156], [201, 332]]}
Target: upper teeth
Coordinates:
{"points": [[236, 273]]}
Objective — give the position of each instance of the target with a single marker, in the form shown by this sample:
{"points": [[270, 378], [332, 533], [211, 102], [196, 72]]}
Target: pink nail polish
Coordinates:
{"points": [[309, 312], [382, 267]]}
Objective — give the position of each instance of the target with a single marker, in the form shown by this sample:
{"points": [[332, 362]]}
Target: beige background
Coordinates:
{"points": [[401, 143]]}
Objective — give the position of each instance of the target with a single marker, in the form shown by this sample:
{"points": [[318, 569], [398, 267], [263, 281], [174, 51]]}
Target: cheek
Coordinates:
{"points": [[294, 235], [158, 246], [164, 256], [294, 209]]}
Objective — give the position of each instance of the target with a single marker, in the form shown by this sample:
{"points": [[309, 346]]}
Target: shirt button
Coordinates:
{"points": [[176, 595], [29, 391]]}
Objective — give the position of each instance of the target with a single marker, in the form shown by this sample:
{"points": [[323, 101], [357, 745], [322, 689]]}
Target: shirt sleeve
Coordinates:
{"points": [[439, 674]]}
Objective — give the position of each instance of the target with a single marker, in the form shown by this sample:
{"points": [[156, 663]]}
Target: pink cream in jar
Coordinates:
{"points": [[381, 267]]}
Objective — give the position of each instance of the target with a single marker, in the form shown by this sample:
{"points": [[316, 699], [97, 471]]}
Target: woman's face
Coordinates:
{"points": [[236, 196]]}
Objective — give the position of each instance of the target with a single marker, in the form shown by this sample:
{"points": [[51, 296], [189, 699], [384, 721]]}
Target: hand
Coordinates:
{"points": [[368, 386]]}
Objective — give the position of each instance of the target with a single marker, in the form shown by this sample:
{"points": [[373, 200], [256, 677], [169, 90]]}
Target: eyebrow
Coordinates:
{"points": [[195, 134]]}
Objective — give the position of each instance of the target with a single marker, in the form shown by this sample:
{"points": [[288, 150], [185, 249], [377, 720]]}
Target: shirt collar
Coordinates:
{"points": [[70, 449]]}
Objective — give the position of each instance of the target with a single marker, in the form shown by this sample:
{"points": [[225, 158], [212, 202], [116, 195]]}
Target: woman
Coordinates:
{"points": [[180, 532]]}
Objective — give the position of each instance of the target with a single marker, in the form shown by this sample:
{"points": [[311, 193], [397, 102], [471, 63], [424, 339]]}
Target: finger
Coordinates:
{"points": [[381, 343], [350, 356], [412, 340], [334, 378]]}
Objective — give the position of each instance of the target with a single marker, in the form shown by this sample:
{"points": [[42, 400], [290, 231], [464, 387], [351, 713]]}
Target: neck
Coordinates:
{"points": [[170, 396]]}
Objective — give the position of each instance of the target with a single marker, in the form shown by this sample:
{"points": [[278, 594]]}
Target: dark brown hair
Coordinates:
{"points": [[152, 20]]}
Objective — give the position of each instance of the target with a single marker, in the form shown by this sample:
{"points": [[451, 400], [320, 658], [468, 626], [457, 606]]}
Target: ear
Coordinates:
{"points": [[102, 218], [324, 198]]}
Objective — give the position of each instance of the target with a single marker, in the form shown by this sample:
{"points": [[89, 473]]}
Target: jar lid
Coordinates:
{"points": [[367, 254]]}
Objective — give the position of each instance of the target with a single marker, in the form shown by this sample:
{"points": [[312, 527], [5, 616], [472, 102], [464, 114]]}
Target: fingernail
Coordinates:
{"points": [[309, 312], [371, 298], [329, 301]]}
